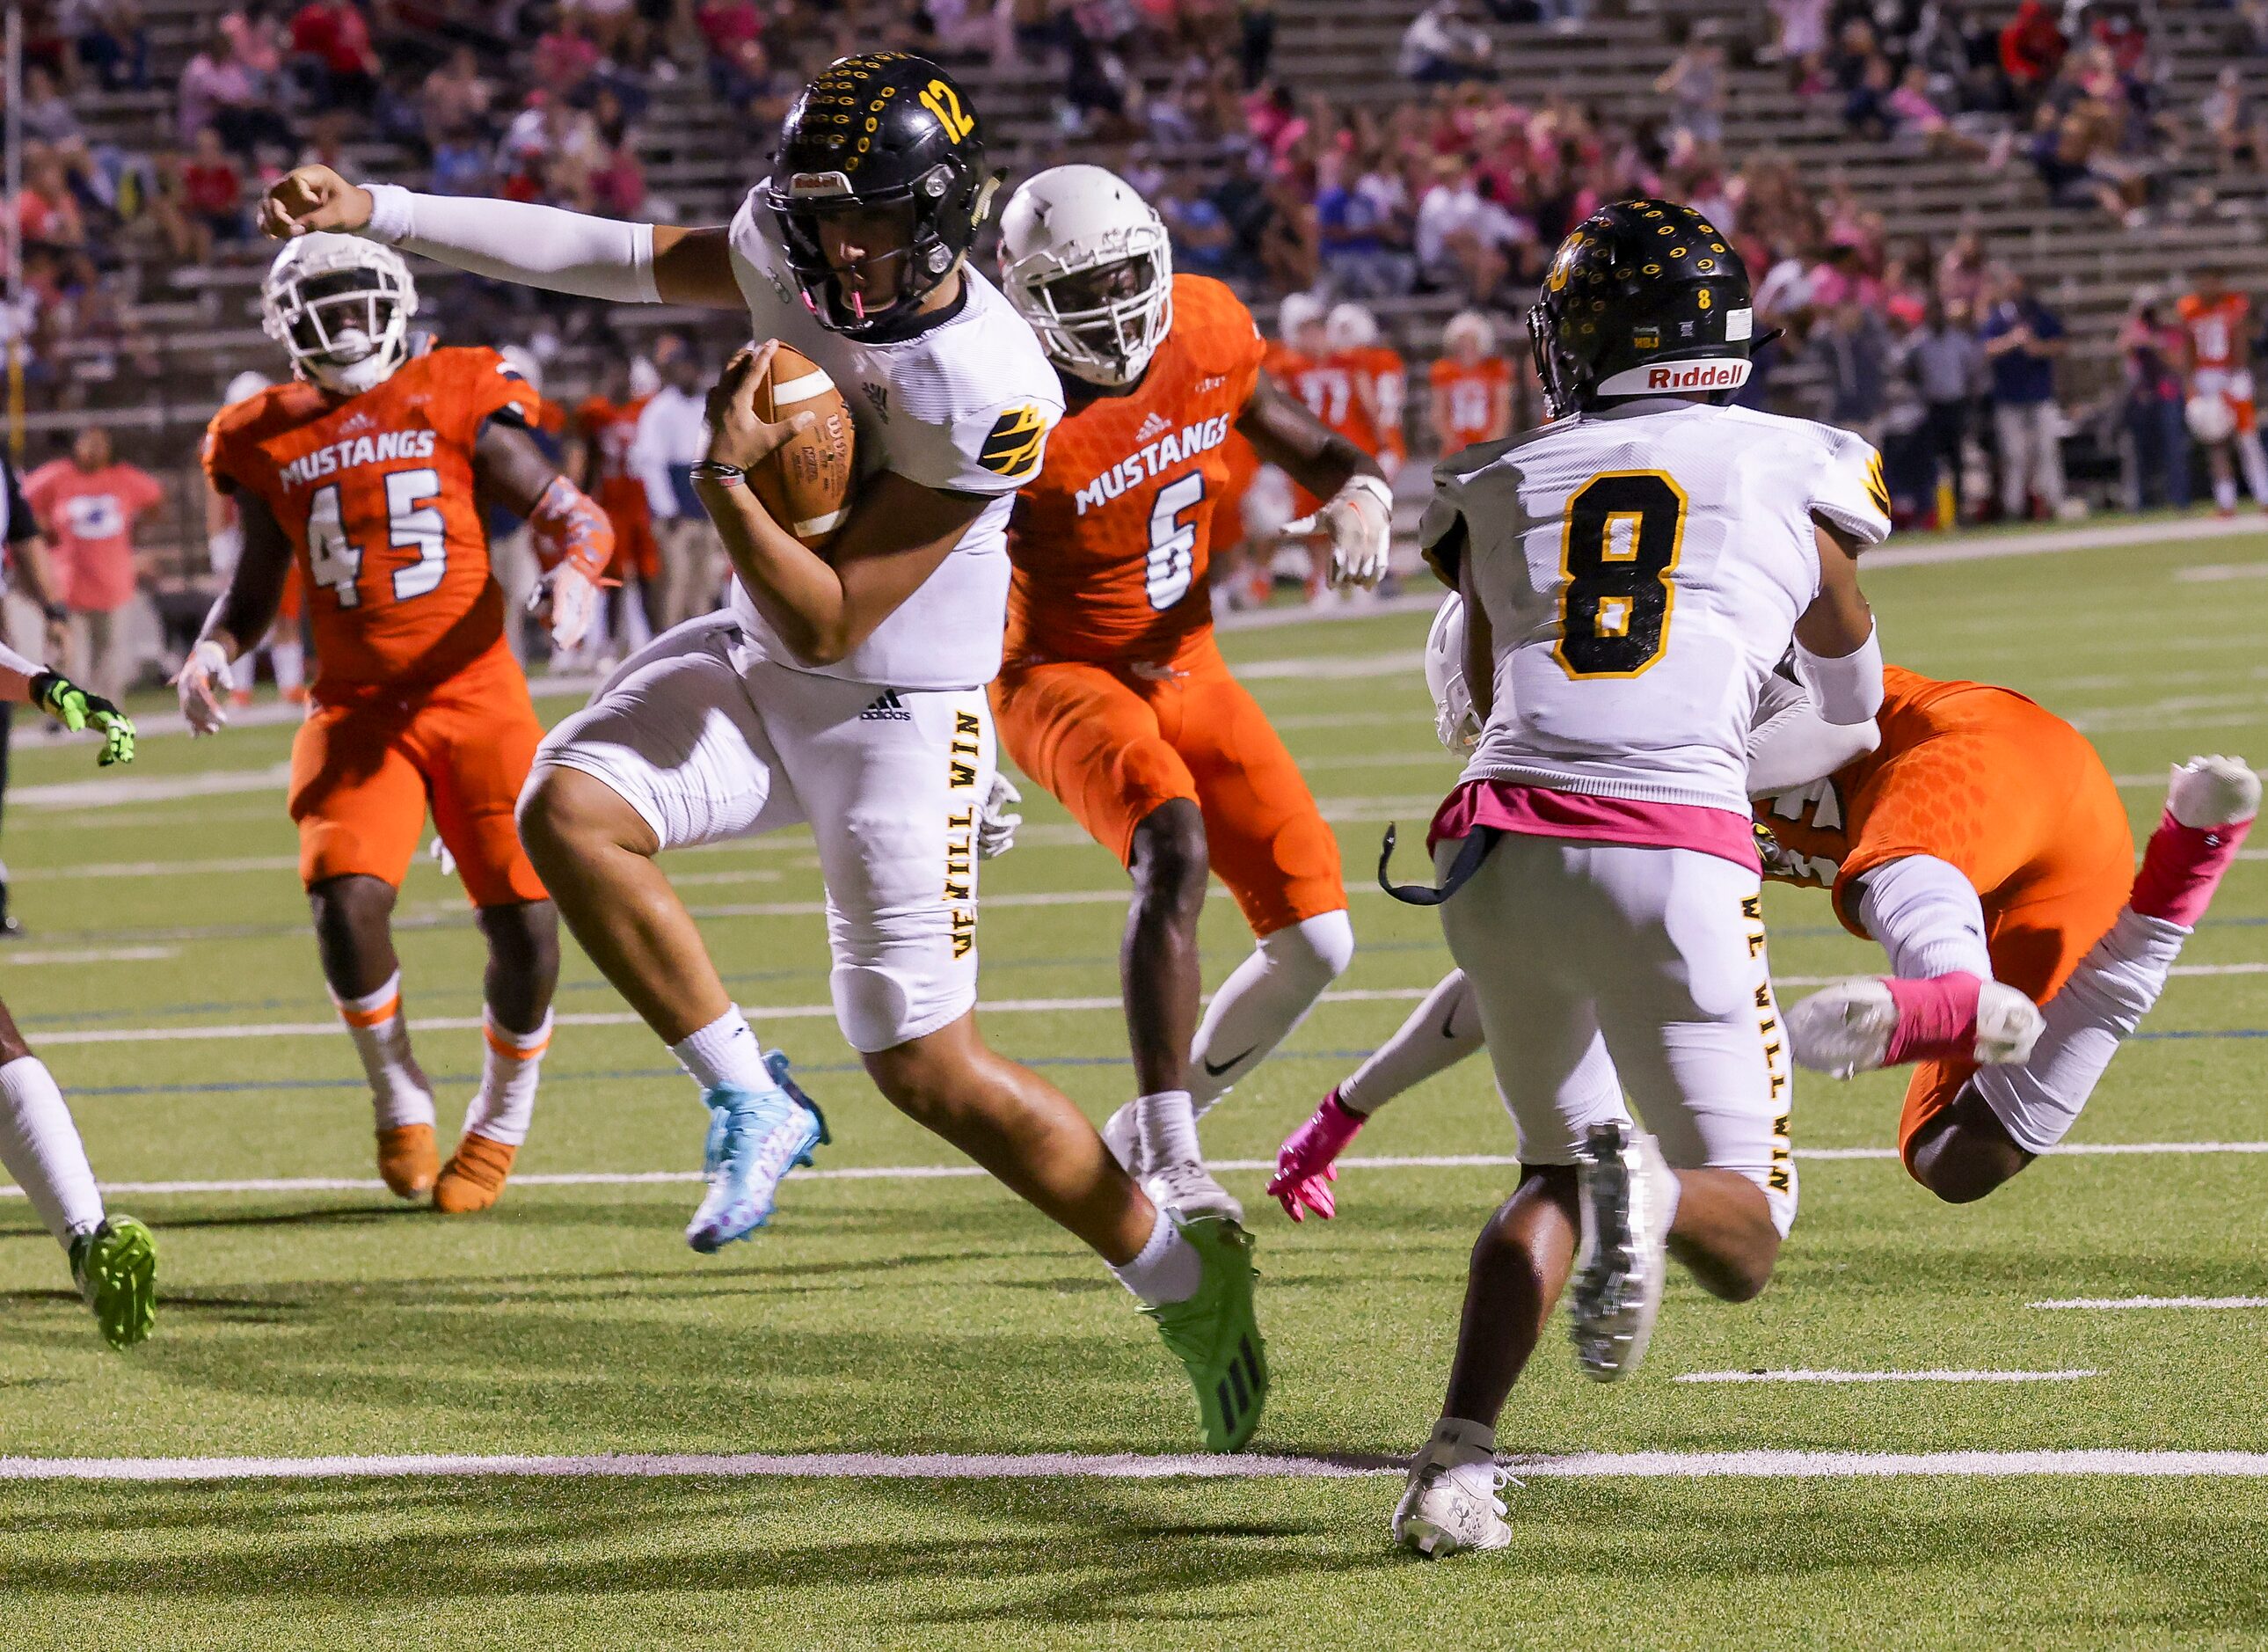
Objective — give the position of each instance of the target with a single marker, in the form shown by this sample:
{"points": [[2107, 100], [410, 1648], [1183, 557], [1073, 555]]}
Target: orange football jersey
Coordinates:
{"points": [[610, 427], [1975, 776], [1110, 542], [377, 494], [2214, 329], [1473, 394], [1381, 382]]}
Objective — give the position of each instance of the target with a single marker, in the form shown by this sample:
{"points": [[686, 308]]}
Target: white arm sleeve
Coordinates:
{"points": [[1791, 745], [1848, 688], [516, 240], [1927, 915]]}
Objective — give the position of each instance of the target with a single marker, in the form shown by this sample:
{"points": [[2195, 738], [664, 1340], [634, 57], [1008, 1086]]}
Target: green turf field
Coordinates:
{"points": [[904, 1314]]}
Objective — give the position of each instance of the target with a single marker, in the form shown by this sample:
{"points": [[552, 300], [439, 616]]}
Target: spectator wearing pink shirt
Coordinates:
{"points": [[88, 503]]}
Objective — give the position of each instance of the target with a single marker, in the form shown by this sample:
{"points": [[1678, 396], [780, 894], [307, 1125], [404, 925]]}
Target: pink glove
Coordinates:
{"points": [[1304, 1165]]}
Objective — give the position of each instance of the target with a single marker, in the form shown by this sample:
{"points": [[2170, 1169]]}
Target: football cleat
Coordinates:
{"points": [[407, 1159], [1623, 1192], [755, 1139], [115, 1267], [475, 1176], [1189, 1191], [1122, 1133], [1216, 1337], [1451, 1502], [1871, 1021]]}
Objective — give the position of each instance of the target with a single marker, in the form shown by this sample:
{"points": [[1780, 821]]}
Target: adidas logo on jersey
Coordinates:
{"points": [[886, 708], [1156, 425]]}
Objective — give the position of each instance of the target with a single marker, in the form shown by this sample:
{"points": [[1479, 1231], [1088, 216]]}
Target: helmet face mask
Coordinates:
{"points": [[879, 158], [341, 309]]}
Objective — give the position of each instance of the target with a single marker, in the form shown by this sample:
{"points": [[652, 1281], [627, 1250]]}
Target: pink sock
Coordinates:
{"points": [[1937, 1017], [2181, 868]]}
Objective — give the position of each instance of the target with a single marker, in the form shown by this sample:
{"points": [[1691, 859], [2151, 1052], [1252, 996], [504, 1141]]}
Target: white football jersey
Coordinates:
{"points": [[1642, 570], [964, 406]]}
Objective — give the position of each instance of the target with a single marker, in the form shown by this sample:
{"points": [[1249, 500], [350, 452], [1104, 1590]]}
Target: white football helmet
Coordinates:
{"points": [[340, 306], [1087, 262], [1295, 315], [1468, 328], [1351, 326], [244, 387], [1455, 721]]}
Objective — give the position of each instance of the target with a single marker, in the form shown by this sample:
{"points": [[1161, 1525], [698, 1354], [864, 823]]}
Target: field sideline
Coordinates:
{"points": [[909, 1415]]}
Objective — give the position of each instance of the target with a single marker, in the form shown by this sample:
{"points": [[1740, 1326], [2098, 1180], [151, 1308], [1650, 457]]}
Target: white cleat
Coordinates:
{"points": [[1187, 1189], [1451, 1502], [1122, 1133], [1626, 1191], [2209, 792], [1846, 1028]]}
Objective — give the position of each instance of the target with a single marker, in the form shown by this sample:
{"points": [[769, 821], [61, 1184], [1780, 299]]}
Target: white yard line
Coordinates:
{"points": [[2155, 1301], [1882, 1377], [1068, 1465], [950, 1172], [90, 954]]}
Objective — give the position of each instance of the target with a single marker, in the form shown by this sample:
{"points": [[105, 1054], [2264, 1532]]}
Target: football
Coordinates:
{"points": [[806, 482]]}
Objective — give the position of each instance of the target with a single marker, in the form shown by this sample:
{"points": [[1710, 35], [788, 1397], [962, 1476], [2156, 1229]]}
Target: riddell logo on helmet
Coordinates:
{"points": [[1674, 378]]}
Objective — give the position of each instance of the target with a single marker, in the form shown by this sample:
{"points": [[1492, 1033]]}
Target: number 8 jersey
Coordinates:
{"points": [[1109, 543], [377, 494], [1642, 569]]}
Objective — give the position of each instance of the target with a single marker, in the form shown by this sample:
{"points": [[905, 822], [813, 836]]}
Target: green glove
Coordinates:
{"points": [[76, 709]]}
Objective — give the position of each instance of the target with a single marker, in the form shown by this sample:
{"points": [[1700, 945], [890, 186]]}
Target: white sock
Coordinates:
{"points": [[2224, 492], [1169, 1128], [40, 1148], [1167, 1268], [2256, 465], [506, 1102], [399, 1092], [289, 661], [1458, 1433], [1263, 998], [1440, 1033], [724, 1054], [1925, 913], [2115, 985]]}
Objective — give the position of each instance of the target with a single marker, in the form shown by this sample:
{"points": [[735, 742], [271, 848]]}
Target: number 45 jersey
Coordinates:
{"points": [[377, 495], [1642, 569], [1109, 543]]}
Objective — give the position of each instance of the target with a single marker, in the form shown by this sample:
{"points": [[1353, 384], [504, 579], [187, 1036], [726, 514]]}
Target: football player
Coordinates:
{"points": [[605, 422], [1381, 383], [1632, 573], [2217, 330], [367, 472], [846, 691], [113, 1259], [1115, 695], [1471, 385], [1983, 844]]}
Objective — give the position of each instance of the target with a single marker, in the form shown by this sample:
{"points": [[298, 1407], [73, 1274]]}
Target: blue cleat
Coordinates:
{"points": [[755, 1139], [780, 1067]]}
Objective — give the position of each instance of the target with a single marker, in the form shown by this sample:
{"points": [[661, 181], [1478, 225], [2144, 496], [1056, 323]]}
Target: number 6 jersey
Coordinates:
{"points": [[1642, 568], [1110, 542], [377, 494]]}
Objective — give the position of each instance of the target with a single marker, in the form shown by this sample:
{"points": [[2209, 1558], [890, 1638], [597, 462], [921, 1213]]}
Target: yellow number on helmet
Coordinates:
{"points": [[941, 101]]}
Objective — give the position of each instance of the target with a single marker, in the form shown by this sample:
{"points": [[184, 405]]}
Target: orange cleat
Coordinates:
{"points": [[474, 1176], [296, 696], [407, 1159]]}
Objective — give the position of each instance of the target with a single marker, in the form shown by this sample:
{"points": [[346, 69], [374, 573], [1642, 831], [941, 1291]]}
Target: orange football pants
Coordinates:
{"points": [[1114, 743], [364, 774], [2024, 809]]}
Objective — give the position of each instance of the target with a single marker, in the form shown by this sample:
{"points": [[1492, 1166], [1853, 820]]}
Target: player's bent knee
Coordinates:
{"points": [[566, 814], [1318, 949], [1169, 858]]}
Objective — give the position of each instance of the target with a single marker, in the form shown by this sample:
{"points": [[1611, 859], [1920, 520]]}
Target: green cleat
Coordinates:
{"points": [[116, 1268], [1215, 1335]]}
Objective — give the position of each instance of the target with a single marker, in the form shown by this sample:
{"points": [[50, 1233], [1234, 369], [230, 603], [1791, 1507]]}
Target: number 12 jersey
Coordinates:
{"points": [[376, 493], [1642, 569]]}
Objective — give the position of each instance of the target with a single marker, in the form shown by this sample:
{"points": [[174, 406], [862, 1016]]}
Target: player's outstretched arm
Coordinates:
{"points": [[241, 616], [1357, 515], [1837, 654], [574, 541], [821, 607], [513, 240], [27, 682]]}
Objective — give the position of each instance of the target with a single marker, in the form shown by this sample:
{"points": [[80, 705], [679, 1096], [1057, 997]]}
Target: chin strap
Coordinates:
{"points": [[1474, 850]]}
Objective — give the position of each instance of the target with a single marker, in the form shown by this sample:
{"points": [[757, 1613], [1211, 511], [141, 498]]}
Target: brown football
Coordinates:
{"points": [[806, 482]]}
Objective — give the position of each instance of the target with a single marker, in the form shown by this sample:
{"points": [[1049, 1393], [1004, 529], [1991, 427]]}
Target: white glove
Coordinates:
{"points": [[203, 679], [1358, 521], [568, 599], [996, 827]]}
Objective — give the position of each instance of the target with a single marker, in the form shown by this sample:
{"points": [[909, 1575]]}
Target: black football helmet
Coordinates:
{"points": [[879, 131], [1643, 298]]}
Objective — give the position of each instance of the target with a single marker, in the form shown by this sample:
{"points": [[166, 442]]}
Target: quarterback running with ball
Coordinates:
{"points": [[844, 691]]}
